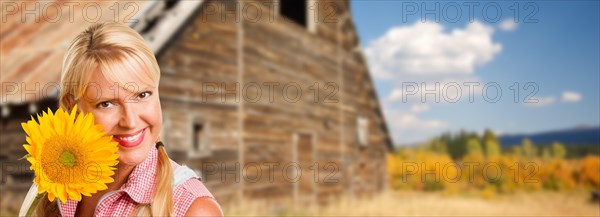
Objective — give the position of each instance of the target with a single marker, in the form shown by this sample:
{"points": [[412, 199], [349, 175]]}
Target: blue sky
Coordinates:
{"points": [[553, 44]]}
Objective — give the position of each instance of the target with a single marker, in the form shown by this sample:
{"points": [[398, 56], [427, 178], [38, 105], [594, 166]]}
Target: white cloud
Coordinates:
{"points": [[407, 127], [426, 49], [508, 25], [395, 95], [570, 97], [450, 90], [541, 101], [407, 120], [566, 97], [419, 108]]}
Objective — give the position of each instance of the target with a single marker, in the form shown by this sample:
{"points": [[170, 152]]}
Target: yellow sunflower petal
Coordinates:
{"points": [[34, 132], [61, 192], [73, 194], [41, 190], [30, 149], [59, 126], [25, 127], [51, 197], [45, 128], [71, 118], [78, 124]]}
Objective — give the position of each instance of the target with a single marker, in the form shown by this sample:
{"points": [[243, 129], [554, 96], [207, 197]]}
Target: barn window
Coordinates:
{"points": [[362, 128], [294, 10], [198, 136], [200, 139]]}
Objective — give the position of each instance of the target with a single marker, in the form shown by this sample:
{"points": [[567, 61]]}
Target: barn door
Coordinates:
{"points": [[304, 152]]}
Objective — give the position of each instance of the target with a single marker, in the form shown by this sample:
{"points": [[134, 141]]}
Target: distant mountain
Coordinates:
{"points": [[574, 136]]}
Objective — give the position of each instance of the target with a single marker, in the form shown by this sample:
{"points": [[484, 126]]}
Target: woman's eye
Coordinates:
{"points": [[104, 104], [145, 94]]}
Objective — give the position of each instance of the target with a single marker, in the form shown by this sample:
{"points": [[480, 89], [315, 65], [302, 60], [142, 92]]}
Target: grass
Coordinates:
{"points": [[413, 203]]}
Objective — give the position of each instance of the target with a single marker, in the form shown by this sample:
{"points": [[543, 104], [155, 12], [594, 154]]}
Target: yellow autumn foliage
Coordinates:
{"points": [[416, 169]]}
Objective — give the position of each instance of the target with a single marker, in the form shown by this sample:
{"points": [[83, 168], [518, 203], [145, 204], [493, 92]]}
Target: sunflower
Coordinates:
{"points": [[69, 156]]}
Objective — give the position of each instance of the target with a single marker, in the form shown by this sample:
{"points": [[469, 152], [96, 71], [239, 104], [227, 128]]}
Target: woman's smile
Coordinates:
{"points": [[130, 140]]}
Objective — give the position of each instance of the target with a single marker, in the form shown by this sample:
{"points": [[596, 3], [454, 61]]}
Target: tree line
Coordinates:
{"points": [[469, 162]]}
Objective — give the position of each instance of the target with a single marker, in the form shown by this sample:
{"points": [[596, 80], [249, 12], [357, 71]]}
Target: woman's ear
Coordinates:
{"points": [[68, 101]]}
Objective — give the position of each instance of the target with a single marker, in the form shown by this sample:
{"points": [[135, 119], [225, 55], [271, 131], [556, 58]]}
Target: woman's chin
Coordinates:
{"points": [[134, 156]]}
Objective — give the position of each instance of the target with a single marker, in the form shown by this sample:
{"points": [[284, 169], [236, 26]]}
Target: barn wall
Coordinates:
{"points": [[286, 130], [282, 133], [198, 85]]}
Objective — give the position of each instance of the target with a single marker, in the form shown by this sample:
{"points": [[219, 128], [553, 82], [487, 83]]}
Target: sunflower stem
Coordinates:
{"points": [[34, 204]]}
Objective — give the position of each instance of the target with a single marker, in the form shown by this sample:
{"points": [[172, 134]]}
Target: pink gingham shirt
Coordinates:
{"points": [[138, 189]]}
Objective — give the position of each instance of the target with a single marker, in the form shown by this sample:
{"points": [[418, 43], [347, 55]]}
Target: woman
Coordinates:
{"points": [[120, 78]]}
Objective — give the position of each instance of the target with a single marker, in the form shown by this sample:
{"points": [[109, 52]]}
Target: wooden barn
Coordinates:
{"points": [[265, 99]]}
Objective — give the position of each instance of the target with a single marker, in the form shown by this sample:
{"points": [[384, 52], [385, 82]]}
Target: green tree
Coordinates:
{"points": [[457, 144], [558, 151], [473, 146], [489, 135], [438, 146], [529, 149], [491, 145], [517, 150], [546, 156]]}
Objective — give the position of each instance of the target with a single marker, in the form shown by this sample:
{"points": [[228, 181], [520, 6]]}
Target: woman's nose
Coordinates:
{"points": [[129, 116]]}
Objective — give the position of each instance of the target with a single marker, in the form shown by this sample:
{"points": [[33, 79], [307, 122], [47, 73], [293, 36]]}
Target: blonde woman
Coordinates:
{"points": [[110, 71]]}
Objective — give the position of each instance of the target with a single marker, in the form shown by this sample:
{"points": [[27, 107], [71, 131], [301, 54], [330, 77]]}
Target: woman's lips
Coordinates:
{"points": [[130, 140]]}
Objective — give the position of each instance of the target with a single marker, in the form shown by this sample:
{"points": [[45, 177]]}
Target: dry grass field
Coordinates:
{"points": [[413, 203]]}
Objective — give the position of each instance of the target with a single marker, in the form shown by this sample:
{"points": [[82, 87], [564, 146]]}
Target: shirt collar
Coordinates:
{"points": [[140, 185]]}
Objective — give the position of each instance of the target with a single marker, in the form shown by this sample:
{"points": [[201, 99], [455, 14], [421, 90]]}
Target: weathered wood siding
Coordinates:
{"points": [[202, 58], [264, 62]]}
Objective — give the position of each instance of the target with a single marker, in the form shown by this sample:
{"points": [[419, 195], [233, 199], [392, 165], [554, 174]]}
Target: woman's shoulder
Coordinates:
{"points": [[192, 187], [192, 198], [204, 207], [190, 194], [187, 182]]}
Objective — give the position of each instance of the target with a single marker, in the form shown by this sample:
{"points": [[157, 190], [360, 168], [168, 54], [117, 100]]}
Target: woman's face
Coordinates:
{"points": [[132, 115]]}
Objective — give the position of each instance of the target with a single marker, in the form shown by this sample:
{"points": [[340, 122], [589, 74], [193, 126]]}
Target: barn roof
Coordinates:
{"points": [[32, 44]]}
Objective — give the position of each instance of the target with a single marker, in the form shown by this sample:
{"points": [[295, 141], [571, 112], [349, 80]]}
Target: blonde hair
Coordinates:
{"points": [[104, 48]]}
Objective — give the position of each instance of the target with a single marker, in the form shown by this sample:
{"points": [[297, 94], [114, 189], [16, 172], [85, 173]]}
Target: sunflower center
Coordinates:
{"points": [[67, 158]]}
